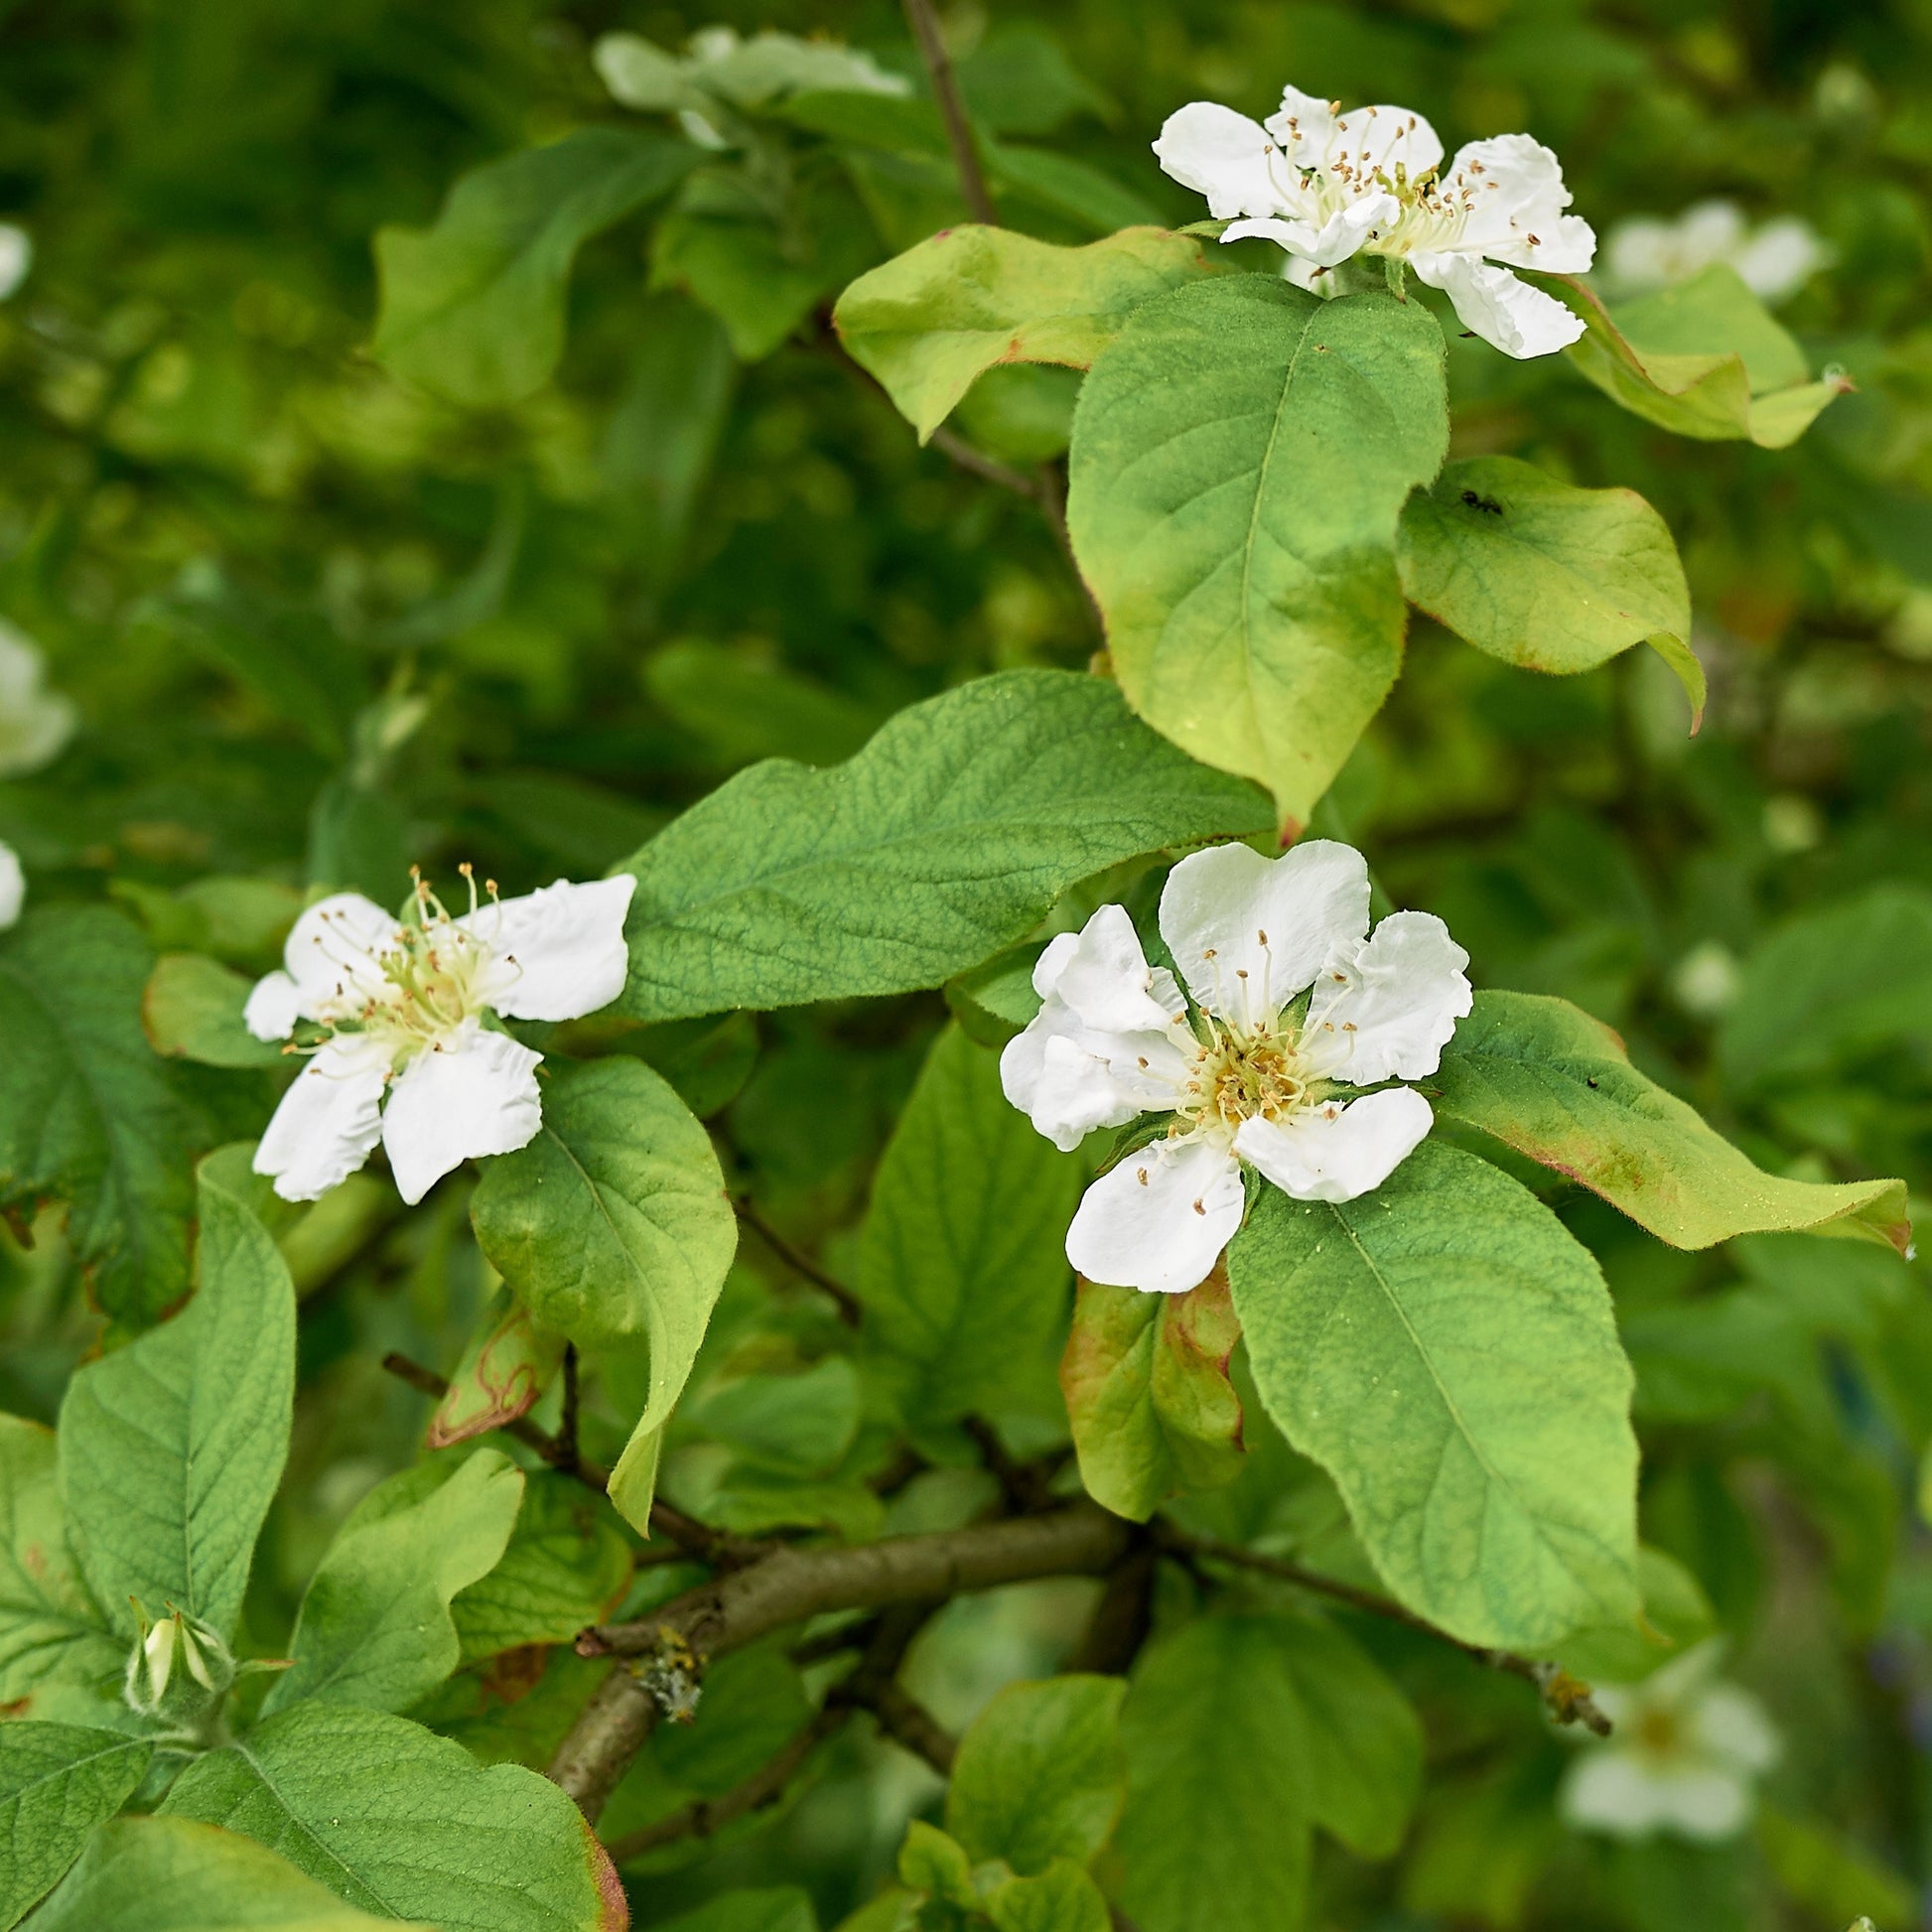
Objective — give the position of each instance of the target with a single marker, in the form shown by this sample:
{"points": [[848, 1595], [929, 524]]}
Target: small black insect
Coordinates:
{"points": [[1487, 504], [1587, 1081]]}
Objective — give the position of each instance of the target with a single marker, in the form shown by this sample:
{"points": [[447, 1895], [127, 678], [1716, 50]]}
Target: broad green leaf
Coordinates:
{"points": [[613, 1228], [504, 1372], [1040, 1774], [375, 1626], [930, 322], [936, 1864], [1555, 1084], [962, 1260], [52, 1631], [473, 309], [1060, 1898], [1676, 1616], [566, 1565], [56, 1784], [1704, 359], [170, 1875], [1447, 1351], [1216, 1833], [948, 837], [1148, 1393], [171, 1449], [788, 1424], [398, 1820], [1538, 573], [1840, 983], [1241, 452], [87, 1113], [192, 1011], [779, 1908]]}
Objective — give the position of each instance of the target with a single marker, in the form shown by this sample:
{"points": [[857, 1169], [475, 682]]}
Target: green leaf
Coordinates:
{"points": [[962, 1259], [930, 1862], [1040, 1774], [613, 1228], [1541, 574], [779, 1908], [169, 1874], [473, 309], [567, 1564], [375, 1628], [52, 1631], [1148, 1393], [505, 1370], [1241, 452], [398, 1820], [1556, 1084], [933, 320], [1061, 1898], [88, 1113], [56, 1784], [192, 1008], [1704, 359], [948, 837], [1447, 1351], [744, 708], [1676, 1616], [171, 1449]]}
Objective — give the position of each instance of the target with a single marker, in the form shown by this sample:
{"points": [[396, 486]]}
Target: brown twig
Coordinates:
{"points": [[1568, 1698], [952, 110], [568, 1455], [950, 442], [850, 1308]]}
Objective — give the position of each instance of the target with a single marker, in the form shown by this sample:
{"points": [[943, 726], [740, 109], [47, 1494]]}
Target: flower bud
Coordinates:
{"points": [[181, 1651]]}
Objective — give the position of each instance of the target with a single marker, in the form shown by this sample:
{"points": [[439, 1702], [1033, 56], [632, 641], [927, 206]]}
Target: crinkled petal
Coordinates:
{"points": [[1336, 240], [1730, 1726], [1103, 974], [1499, 307], [333, 955], [1516, 184], [1299, 238], [1385, 1010], [274, 1006], [558, 952], [473, 1096], [1336, 1153], [1228, 913], [329, 1119], [1160, 1219], [1314, 136], [1610, 1790], [1222, 155], [1068, 1078], [13, 886]]}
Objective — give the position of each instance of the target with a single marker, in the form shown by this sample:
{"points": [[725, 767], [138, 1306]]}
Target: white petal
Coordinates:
{"points": [[1610, 1790], [560, 951], [1385, 1009], [1160, 1219], [1779, 259], [1379, 136], [331, 955], [476, 1096], [274, 1006], [1222, 155], [1336, 1153], [1278, 921], [1730, 1725], [1503, 310], [1702, 1800], [327, 1120], [1105, 978], [1068, 1078], [13, 886], [1299, 238], [1344, 232], [1519, 192]]}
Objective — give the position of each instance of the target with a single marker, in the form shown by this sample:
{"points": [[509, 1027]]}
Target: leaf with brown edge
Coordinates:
{"points": [[1555, 1085], [1146, 1388], [504, 1372]]}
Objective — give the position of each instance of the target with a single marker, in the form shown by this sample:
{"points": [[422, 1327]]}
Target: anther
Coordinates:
{"points": [[1142, 1172], [1201, 1208]]}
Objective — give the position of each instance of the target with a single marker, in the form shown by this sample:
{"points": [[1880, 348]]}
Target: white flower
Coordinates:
{"points": [[16, 257], [1328, 185], [35, 723], [1774, 261], [1683, 1756], [403, 1001], [1258, 1077], [13, 886]]}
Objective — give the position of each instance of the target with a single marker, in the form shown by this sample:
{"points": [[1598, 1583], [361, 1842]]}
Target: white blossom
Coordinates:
{"points": [[13, 886], [1683, 1757], [1260, 1074], [1774, 260], [404, 1005], [35, 723], [1328, 185]]}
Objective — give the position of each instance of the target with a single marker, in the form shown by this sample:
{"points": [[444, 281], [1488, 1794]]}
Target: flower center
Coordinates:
{"points": [[1241, 1072], [1657, 1733]]}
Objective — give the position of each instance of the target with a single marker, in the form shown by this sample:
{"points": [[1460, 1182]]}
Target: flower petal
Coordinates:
{"points": [[1314, 136], [1276, 922], [1160, 1219], [329, 1119], [1222, 155], [274, 1006], [13, 886], [1503, 310], [1103, 974], [1702, 1800], [1610, 1790], [559, 951], [1516, 184], [1780, 258], [1385, 1009], [1730, 1725], [1337, 1152], [331, 955], [1068, 1078], [472, 1097]]}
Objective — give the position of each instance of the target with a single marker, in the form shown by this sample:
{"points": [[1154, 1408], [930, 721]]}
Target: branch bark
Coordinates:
{"points": [[952, 110], [850, 1308]]}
